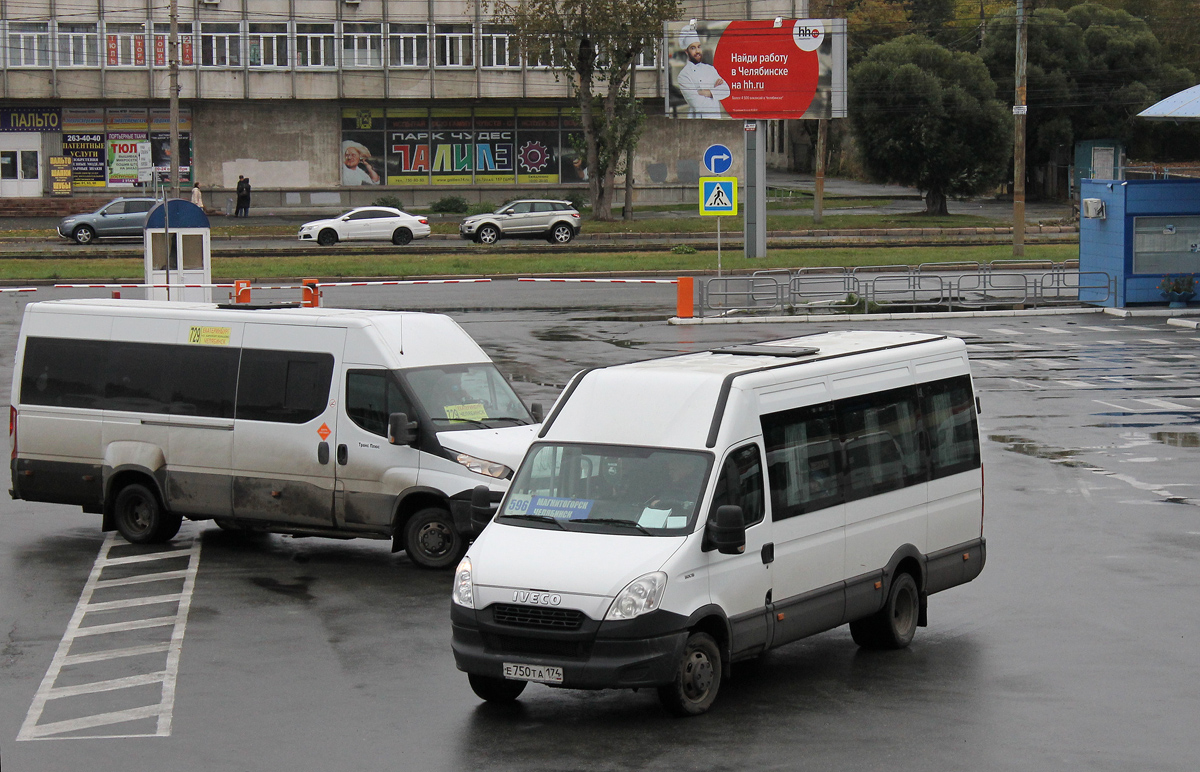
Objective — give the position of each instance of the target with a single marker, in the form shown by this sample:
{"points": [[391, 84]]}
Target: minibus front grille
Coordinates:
{"points": [[537, 617], [545, 647]]}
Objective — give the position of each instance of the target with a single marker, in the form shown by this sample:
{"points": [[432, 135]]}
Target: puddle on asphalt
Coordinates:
{"points": [[558, 335], [1028, 447], [1177, 439]]}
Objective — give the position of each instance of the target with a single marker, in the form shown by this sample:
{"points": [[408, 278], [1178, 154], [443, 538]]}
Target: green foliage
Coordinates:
{"points": [[483, 207], [392, 201], [928, 117], [578, 200], [450, 205], [683, 249], [1090, 70]]}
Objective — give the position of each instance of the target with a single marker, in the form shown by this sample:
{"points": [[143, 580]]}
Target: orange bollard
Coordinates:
{"points": [[685, 293], [311, 297], [241, 291], [116, 294]]}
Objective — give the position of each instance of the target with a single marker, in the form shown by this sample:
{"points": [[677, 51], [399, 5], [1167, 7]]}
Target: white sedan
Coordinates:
{"points": [[367, 223]]}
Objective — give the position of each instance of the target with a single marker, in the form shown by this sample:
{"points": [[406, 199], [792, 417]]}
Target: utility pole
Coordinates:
{"points": [[819, 182], [173, 87], [1020, 108]]}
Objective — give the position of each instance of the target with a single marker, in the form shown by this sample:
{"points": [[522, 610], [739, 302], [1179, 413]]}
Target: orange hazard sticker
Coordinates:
{"points": [[324, 431]]}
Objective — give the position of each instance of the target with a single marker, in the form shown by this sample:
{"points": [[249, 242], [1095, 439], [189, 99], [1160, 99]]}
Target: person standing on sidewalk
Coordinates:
{"points": [[197, 196], [243, 198]]}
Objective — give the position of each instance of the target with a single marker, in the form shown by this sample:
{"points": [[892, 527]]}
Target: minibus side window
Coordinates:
{"points": [[371, 396], [881, 442], [948, 408], [802, 460], [64, 373], [137, 378], [204, 381], [740, 482], [283, 386]]}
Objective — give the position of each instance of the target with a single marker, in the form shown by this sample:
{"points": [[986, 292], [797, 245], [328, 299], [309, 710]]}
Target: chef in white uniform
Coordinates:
{"points": [[701, 85]]}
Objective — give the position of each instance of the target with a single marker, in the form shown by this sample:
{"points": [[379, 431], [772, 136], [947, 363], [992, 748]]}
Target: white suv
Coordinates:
{"points": [[556, 221]]}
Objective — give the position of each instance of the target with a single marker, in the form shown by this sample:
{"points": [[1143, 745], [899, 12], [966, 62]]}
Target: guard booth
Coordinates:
{"points": [[1138, 232], [178, 252]]}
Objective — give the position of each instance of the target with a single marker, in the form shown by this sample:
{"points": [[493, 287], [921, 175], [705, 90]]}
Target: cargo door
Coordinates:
{"points": [[286, 416]]}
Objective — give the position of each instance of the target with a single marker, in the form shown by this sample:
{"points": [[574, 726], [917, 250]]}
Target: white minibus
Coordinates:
{"points": [[681, 514], [301, 421]]}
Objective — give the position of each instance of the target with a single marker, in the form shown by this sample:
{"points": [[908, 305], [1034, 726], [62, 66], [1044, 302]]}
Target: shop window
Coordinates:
{"points": [[220, 45], [408, 45], [498, 48], [455, 45], [162, 44], [124, 45], [362, 45], [78, 45], [315, 45], [267, 45], [29, 44]]}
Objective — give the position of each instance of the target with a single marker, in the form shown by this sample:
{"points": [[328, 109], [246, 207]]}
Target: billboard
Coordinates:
{"points": [[756, 69]]}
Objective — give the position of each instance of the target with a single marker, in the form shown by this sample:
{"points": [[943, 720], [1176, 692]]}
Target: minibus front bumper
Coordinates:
{"points": [[643, 652]]}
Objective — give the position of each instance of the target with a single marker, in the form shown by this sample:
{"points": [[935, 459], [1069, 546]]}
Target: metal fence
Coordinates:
{"points": [[890, 288]]}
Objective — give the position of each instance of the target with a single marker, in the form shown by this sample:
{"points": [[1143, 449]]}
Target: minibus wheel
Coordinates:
{"points": [[893, 626], [697, 678], [495, 689], [141, 519], [431, 540]]}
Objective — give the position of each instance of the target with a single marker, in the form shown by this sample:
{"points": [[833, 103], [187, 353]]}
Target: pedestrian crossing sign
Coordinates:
{"points": [[718, 195]]}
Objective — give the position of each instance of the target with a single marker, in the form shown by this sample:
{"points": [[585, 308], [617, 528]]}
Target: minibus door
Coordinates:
{"points": [[371, 472], [283, 467], [741, 584]]}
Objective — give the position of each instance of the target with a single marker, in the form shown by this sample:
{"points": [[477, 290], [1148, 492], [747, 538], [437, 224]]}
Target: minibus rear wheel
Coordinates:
{"points": [[494, 689], [141, 519], [431, 540], [697, 678], [893, 626]]}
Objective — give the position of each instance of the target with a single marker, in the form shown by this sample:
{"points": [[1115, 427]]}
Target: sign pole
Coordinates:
{"points": [[718, 247]]}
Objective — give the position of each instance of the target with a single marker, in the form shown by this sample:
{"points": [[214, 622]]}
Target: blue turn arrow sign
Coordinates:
{"points": [[718, 159]]}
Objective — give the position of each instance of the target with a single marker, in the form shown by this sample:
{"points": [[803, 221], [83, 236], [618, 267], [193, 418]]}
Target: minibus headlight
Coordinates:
{"points": [[640, 596], [464, 588], [481, 466]]}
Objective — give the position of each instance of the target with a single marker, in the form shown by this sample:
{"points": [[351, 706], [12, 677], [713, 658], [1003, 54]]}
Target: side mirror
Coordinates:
{"points": [[508, 211], [726, 533], [400, 430], [482, 508], [535, 410]]}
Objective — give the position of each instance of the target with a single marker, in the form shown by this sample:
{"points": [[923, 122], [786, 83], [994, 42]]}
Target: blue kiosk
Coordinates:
{"points": [[177, 252], [1138, 232]]}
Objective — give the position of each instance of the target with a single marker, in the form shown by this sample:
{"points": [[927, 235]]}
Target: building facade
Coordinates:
{"points": [[318, 102]]}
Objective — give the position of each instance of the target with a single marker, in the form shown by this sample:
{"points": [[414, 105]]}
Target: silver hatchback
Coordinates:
{"points": [[119, 217], [556, 221]]}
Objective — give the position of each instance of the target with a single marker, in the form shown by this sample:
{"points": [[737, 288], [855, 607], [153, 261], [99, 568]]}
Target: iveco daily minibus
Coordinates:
{"points": [[303, 421], [680, 514]]}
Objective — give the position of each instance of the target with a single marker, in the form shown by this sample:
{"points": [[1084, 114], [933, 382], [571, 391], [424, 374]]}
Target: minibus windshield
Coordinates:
{"points": [[608, 488], [473, 396]]}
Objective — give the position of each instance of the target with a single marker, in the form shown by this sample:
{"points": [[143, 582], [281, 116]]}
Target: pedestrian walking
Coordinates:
{"points": [[243, 197], [197, 196]]}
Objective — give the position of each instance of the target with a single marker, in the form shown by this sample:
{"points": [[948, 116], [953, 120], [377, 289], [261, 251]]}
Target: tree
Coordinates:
{"points": [[928, 117], [596, 45], [1091, 70]]}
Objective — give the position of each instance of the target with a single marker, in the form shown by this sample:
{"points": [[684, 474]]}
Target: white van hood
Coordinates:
{"points": [[506, 558], [506, 445]]}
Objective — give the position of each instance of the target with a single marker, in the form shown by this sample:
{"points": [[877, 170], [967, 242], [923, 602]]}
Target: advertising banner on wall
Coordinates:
{"points": [[453, 146], [86, 152], [362, 152], [756, 69], [30, 119], [494, 145], [537, 145], [60, 175], [123, 148]]}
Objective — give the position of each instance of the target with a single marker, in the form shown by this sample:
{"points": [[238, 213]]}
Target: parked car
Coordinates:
{"points": [[119, 217], [367, 223], [556, 221]]}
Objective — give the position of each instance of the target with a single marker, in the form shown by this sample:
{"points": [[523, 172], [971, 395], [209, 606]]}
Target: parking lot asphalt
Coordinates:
{"points": [[1075, 649]]}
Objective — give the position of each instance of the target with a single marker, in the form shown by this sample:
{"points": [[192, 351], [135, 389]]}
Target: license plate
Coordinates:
{"points": [[542, 674]]}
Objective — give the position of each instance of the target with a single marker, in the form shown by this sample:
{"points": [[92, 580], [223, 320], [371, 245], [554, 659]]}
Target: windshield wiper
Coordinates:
{"points": [[617, 521], [472, 421], [537, 519]]}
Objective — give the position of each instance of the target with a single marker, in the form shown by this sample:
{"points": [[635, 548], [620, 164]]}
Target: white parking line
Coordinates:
{"points": [[1167, 404], [1005, 331], [1056, 330], [163, 709]]}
